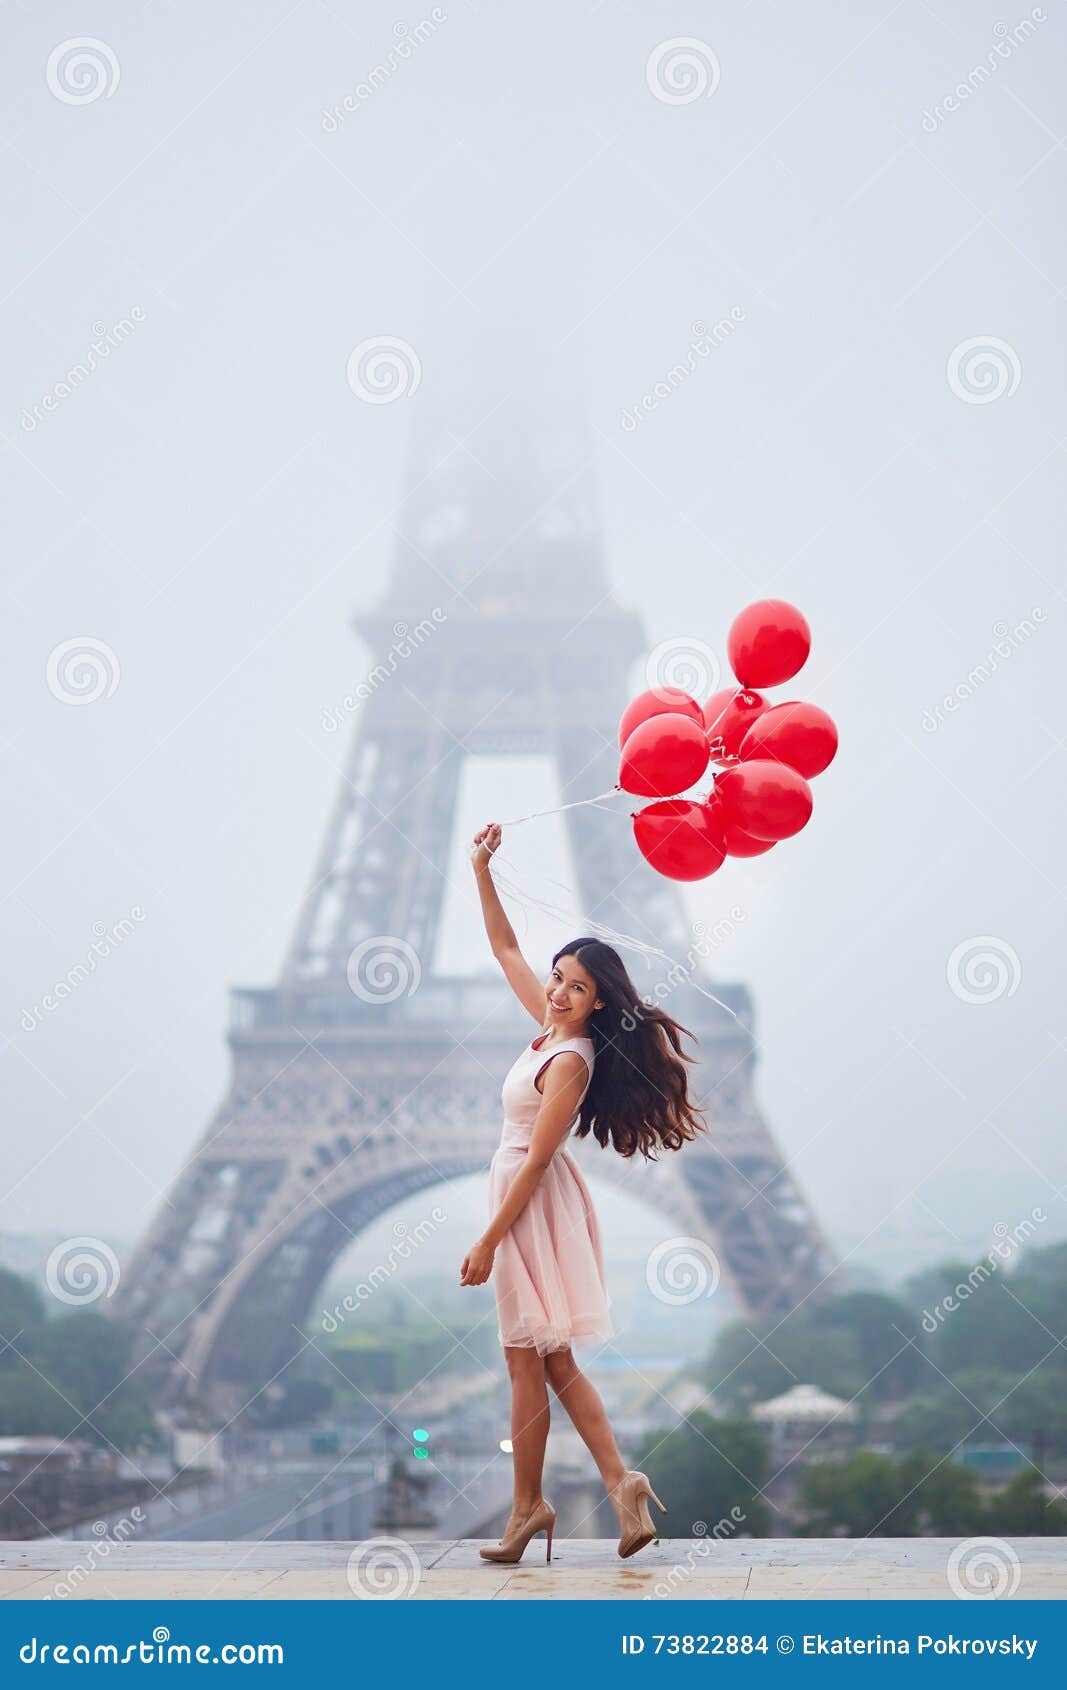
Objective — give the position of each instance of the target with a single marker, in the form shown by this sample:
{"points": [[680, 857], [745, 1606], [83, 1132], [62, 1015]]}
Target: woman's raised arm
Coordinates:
{"points": [[520, 976]]}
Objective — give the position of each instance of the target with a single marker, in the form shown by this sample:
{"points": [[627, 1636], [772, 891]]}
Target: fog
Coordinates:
{"points": [[530, 199]]}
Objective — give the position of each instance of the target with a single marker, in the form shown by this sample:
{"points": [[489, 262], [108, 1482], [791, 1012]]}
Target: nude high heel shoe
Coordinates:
{"points": [[511, 1548], [630, 1500]]}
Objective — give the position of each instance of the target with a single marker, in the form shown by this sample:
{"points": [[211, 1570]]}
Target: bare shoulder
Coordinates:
{"points": [[562, 1070]]}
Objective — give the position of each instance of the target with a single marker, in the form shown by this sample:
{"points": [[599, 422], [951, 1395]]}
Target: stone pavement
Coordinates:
{"points": [[776, 1568]]}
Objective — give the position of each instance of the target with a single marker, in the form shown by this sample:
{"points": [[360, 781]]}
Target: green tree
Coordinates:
{"points": [[86, 1354], [867, 1494], [750, 1364], [952, 1412], [21, 1315], [1022, 1509], [70, 1376], [880, 1328], [950, 1503], [710, 1471], [30, 1405]]}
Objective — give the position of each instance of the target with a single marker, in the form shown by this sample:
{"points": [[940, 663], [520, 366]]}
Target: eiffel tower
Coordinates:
{"points": [[363, 1076]]}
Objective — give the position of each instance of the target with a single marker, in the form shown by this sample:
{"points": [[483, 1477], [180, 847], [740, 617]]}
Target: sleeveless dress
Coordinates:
{"points": [[548, 1271]]}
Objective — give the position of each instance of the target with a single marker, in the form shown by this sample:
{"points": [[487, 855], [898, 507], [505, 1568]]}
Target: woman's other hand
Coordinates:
{"points": [[477, 1265]]}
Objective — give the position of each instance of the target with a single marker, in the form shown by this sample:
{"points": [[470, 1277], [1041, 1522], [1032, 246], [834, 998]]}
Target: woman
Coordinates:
{"points": [[602, 1062]]}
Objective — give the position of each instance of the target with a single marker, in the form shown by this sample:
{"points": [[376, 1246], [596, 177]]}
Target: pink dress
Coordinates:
{"points": [[548, 1271]]}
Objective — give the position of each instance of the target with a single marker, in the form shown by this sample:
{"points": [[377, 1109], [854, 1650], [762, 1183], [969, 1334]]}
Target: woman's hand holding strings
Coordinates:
{"points": [[485, 843]]}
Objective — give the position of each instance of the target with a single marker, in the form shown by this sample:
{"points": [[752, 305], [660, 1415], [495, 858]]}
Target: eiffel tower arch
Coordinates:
{"points": [[363, 1075]]}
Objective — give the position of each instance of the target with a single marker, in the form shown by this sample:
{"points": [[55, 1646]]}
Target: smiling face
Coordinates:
{"points": [[572, 996]]}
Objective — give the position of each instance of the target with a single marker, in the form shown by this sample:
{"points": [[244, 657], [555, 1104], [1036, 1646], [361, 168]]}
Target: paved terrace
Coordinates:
{"points": [[683, 1569]]}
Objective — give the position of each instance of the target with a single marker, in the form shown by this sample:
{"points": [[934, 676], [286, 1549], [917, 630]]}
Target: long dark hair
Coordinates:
{"points": [[638, 1098]]}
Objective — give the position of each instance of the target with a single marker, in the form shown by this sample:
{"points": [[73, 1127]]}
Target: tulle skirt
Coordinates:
{"points": [[548, 1270]]}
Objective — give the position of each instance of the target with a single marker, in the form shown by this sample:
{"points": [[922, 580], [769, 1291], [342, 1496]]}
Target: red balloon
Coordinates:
{"points": [[738, 843], [796, 733], [663, 756], [729, 714], [658, 701], [768, 643], [765, 798], [680, 838]]}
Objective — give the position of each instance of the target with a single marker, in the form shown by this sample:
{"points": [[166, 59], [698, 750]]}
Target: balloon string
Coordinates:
{"points": [[612, 790], [713, 725], [559, 810], [622, 941]]}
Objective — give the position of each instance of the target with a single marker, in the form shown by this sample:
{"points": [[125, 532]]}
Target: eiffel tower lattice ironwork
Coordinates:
{"points": [[343, 1101]]}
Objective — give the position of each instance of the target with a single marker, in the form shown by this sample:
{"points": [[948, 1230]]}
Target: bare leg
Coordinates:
{"points": [[583, 1403], [530, 1415]]}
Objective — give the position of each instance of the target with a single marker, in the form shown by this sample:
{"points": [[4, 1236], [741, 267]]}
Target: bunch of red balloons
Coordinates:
{"points": [[762, 755]]}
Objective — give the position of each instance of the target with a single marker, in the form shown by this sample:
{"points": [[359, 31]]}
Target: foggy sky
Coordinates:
{"points": [[214, 502]]}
